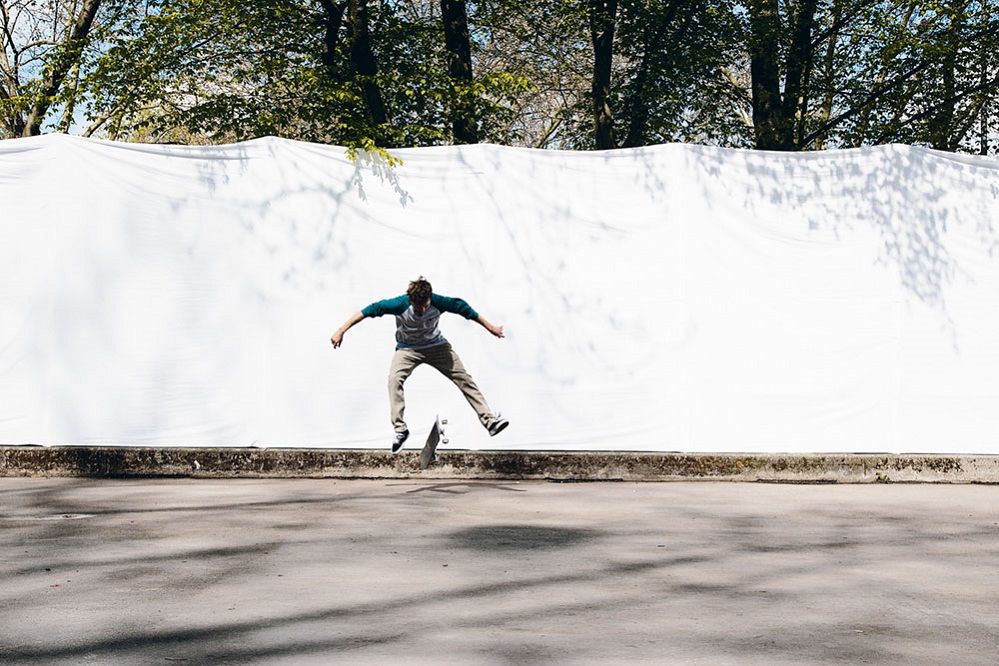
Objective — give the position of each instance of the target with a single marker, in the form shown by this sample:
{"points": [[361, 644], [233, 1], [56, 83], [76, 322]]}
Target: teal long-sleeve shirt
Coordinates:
{"points": [[416, 331]]}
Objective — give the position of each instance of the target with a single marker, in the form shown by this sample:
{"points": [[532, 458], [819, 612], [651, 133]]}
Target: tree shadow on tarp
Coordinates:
{"points": [[922, 204], [555, 243]]}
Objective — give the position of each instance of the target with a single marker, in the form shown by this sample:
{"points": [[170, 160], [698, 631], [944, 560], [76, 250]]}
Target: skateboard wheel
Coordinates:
{"points": [[444, 441], [443, 421]]}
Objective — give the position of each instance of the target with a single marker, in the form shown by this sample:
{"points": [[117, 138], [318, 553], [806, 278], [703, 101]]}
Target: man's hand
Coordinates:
{"points": [[337, 338]]}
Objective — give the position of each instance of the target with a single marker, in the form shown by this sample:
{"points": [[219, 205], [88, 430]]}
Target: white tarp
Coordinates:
{"points": [[673, 298]]}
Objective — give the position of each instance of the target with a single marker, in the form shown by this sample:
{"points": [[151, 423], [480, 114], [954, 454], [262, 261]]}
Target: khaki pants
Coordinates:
{"points": [[446, 361]]}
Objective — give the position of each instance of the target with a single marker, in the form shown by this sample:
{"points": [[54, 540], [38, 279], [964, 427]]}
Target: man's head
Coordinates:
{"points": [[419, 293]]}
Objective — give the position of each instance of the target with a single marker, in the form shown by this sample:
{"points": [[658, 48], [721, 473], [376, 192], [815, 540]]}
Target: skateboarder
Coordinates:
{"points": [[419, 340]]}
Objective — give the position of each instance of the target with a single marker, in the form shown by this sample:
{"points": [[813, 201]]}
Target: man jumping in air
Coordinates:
{"points": [[418, 341]]}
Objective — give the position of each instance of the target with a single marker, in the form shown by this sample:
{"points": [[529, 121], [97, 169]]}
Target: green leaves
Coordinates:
{"points": [[837, 72], [225, 70]]}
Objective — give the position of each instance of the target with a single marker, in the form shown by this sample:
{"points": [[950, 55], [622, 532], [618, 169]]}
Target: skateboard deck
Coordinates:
{"points": [[429, 453]]}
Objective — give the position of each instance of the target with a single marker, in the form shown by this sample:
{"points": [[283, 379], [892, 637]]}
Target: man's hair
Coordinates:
{"points": [[419, 290]]}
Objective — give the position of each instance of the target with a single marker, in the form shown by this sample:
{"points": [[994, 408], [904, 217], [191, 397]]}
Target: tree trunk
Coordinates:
{"points": [[603, 16], [12, 120], [457, 44], [985, 107], [799, 69], [639, 125], [825, 113], [363, 59], [67, 56], [332, 22], [764, 24], [942, 134]]}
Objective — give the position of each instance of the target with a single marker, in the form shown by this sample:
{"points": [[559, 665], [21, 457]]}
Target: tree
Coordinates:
{"points": [[653, 71], [363, 58], [859, 72], [603, 22], [947, 101], [336, 71], [543, 50], [47, 50], [458, 49], [776, 107], [674, 81], [229, 71]]}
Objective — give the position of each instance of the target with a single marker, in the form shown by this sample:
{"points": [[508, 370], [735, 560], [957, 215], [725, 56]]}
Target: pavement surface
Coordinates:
{"points": [[323, 571]]}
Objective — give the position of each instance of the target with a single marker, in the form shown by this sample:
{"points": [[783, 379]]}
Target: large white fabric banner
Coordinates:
{"points": [[673, 298]]}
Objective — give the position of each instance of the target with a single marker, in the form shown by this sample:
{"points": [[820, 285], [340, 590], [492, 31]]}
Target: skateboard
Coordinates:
{"points": [[429, 453]]}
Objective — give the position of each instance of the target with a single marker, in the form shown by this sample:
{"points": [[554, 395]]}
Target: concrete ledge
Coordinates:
{"points": [[556, 466]]}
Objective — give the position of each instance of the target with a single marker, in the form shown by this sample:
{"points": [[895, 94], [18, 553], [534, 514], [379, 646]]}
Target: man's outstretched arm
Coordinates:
{"points": [[495, 330], [460, 307], [337, 338]]}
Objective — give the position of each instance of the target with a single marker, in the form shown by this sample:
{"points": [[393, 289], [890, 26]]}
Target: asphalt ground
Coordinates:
{"points": [[324, 571]]}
